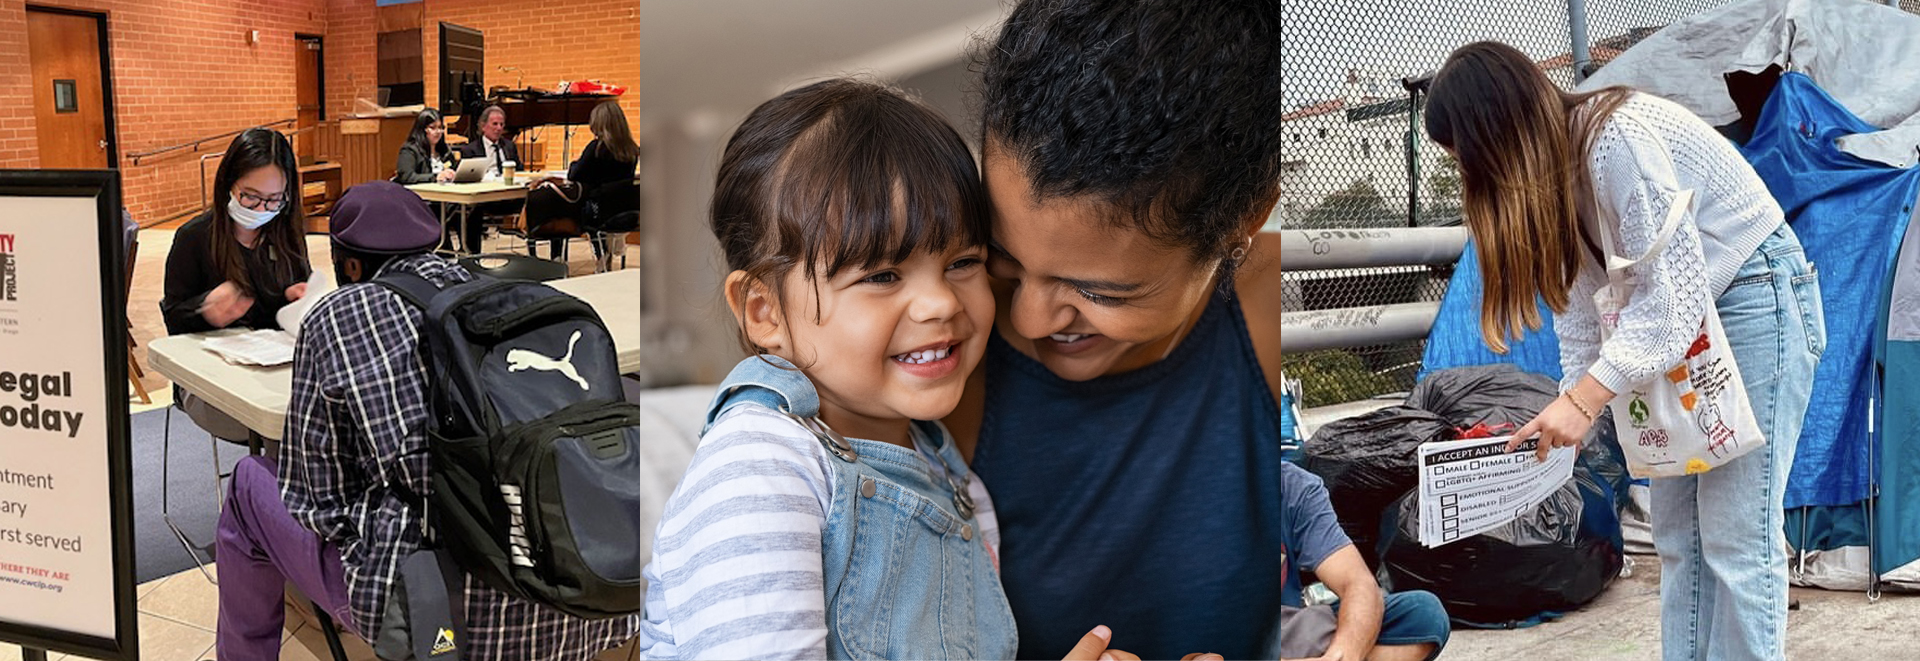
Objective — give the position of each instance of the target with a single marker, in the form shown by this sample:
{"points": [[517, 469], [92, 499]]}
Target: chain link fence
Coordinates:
{"points": [[1356, 155]]}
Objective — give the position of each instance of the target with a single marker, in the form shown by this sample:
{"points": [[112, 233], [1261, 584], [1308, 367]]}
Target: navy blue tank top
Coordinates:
{"points": [[1148, 501]]}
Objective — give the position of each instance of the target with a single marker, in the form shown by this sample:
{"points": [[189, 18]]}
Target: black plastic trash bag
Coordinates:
{"points": [[1367, 462], [1489, 394], [1553, 560]]}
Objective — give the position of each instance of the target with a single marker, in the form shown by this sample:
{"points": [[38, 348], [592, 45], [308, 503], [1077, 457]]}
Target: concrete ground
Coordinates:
{"points": [[1624, 624]]}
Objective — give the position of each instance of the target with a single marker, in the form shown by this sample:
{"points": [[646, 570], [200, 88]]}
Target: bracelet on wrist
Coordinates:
{"points": [[1584, 409]]}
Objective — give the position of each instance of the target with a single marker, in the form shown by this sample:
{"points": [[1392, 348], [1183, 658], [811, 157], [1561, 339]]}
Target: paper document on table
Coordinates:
{"points": [[291, 314], [261, 347], [1472, 486]]}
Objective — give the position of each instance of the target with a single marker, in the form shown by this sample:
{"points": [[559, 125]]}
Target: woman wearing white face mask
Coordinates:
{"points": [[246, 256], [243, 259]]}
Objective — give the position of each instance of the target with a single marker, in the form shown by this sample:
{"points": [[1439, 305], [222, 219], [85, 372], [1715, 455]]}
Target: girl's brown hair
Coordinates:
{"points": [[1523, 147], [842, 174]]}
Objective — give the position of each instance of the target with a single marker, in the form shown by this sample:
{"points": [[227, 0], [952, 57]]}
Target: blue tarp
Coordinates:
{"points": [[1850, 214], [1455, 338]]}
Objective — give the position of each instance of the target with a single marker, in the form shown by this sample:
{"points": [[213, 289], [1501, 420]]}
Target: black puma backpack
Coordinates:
{"points": [[534, 450]]}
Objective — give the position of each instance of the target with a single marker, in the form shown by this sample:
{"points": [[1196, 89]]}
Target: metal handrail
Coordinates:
{"points": [[204, 200], [195, 144]]}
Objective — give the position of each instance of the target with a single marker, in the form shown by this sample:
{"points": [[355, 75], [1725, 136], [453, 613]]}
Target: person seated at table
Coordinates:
{"points": [[425, 158], [238, 263], [490, 143], [331, 516], [606, 162]]}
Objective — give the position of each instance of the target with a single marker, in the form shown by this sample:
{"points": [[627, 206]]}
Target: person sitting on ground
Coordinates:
{"points": [[336, 521], [1402, 626]]}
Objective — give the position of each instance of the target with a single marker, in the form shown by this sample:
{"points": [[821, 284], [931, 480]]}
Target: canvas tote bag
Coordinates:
{"points": [[1693, 416]]}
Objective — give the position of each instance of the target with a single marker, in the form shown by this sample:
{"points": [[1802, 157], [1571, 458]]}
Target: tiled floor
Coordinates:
{"points": [[177, 618]]}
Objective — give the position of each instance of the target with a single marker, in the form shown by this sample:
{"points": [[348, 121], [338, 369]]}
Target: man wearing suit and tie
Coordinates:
{"points": [[492, 143], [493, 146]]}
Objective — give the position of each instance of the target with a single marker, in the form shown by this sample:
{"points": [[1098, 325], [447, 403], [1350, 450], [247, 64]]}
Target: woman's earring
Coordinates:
{"points": [[1240, 252]]}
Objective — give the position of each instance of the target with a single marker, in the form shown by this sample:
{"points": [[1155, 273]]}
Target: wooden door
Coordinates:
{"points": [[69, 99], [308, 97]]}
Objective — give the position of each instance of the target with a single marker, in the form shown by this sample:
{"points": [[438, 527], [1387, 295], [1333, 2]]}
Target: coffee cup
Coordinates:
{"points": [[506, 171]]}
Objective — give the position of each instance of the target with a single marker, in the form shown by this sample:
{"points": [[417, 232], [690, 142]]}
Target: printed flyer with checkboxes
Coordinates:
{"points": [[1471, 486]]}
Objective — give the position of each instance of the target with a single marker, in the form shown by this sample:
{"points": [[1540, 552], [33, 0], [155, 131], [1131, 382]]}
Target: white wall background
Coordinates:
{"points": [[704, 65]]}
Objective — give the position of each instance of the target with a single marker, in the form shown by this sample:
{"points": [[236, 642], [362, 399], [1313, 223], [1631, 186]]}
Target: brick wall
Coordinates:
{"points": [[18, 142], [182, 69], [549, 41]]}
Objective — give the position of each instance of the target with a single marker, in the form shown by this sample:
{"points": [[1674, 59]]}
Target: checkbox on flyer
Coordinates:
{"points": [[1449, 524], [1449, 511], [1449, 499]]}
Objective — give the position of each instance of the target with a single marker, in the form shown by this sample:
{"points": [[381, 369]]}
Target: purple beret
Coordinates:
{"points": [[383, 217]]}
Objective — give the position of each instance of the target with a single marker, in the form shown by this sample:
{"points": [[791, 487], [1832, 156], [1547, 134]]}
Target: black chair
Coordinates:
{"points": [[610, 212], [552, 214]]}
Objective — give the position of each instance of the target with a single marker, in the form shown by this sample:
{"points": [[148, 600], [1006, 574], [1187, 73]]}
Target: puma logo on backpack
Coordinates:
{"points": [[525, 359], [535, 456]]}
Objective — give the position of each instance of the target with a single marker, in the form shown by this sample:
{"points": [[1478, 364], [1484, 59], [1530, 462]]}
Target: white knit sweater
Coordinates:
{"points": [[1649, 150]]}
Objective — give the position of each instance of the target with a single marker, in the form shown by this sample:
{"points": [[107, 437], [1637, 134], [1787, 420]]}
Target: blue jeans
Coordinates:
{"points": [[1413, 617], [1723, 590]]}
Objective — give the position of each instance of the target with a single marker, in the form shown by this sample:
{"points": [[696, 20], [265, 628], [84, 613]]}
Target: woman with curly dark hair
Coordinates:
{"points": [[1127, 411]]}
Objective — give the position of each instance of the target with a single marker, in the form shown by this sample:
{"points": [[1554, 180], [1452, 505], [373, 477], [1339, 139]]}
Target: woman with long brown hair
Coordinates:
{"points": [[1543, 174]]}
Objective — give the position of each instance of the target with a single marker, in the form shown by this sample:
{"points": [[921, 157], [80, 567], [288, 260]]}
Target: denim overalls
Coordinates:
{"points": [[906, 571]]}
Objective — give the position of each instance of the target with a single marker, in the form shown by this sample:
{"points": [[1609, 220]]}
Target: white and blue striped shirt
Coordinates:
{"points": [[736, 570]]}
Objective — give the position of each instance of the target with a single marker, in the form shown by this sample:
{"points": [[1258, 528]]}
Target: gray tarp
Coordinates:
{"points": [[1866, 55]]}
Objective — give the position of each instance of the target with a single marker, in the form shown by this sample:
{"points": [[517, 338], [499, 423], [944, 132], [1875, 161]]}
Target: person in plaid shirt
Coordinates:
{"points": [[326, 518]]}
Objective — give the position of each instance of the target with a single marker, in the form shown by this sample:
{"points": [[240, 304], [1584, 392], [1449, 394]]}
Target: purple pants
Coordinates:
{"points": [[260, 548]]}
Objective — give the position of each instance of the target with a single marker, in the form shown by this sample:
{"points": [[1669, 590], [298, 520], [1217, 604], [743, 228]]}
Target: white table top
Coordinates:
{"points": [[473, 193], [257, 396], [616, 296]]}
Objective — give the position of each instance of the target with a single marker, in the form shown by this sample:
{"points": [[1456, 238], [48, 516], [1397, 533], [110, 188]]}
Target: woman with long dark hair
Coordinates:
{"points": [[425, 158], [1547, 177], [244, 258]]}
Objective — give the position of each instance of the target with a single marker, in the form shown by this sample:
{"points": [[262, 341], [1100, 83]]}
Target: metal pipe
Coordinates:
{"points": [[1577, 29], [204, 200], [1356, 327], [1313, 250], [1413, 158]]}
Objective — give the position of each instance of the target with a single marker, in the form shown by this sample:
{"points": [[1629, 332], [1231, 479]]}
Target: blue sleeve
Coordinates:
{"points": [[1313, 531]]}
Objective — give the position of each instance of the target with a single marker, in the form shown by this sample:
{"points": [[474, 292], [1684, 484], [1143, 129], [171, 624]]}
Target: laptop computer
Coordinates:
{"points": [[471, 170]]}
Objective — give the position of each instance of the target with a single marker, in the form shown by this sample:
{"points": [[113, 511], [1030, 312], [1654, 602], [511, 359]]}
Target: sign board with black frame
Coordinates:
{"points": [[66, 503]]}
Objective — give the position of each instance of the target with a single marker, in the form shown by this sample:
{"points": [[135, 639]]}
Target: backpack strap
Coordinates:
{"points": [[410, 286], [450, 607]]}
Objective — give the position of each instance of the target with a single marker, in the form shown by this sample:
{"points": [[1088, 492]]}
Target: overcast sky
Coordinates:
{"points": [[1324, 38]]}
